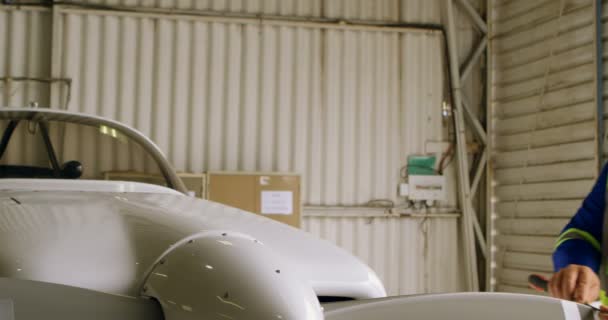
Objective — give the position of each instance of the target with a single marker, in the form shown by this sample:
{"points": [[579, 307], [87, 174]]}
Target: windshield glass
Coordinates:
{"points": [[66, 150]]}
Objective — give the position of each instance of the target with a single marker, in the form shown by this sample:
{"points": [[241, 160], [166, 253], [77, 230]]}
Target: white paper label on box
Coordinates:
{"points": [[277, 202]]}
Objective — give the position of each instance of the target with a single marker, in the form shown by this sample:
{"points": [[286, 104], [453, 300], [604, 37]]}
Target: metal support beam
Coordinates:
{"points": [[473, 59], [474, 16], [471, 229], [489, 283], [243, 18], [470, 255], [599, 84], [479, 172], [481, 240], [479, 130]]}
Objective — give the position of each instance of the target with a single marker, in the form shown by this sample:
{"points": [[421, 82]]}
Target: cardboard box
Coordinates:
{"points": [[273, 195]]}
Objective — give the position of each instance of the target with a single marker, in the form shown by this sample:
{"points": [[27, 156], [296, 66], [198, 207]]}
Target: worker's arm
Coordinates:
{"points": [[580, 241], [577, 255]]}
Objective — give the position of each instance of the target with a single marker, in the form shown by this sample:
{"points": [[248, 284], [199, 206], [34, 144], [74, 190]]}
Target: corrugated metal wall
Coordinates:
{"points": [[25, 48], [227, 96], [329, 104], [411, 255], [385, 10], [544, 129]]}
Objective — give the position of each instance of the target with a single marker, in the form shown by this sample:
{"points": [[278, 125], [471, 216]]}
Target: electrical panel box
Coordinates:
{"points": [[272, 195], [423, 187]]}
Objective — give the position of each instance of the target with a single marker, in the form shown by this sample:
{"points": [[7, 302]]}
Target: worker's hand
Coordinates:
{"points": [[604, 313], [576, 283]]}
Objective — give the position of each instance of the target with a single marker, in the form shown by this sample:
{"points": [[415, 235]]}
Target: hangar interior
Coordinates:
{"points": [[502, 100]]}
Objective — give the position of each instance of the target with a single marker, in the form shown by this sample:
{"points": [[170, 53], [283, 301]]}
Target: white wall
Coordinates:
{"points": [[342, 107]]}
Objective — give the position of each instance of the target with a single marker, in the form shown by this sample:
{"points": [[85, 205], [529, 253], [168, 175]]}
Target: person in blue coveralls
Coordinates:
{"points": [[579, 253]]}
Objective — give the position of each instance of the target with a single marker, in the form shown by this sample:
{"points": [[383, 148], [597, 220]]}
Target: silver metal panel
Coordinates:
{"points": [[537, 138], [581, 112], [531, 227], [28, 300], [546, 173], [546, 155], [544, 129], [532, 262], [514, 14], [555, 190], [537, 208], [530, 244]]}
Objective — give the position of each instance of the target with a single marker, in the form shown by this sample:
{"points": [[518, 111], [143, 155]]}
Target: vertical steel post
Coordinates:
{"points": [[470, 255], [489, 165], [599, 82]]}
